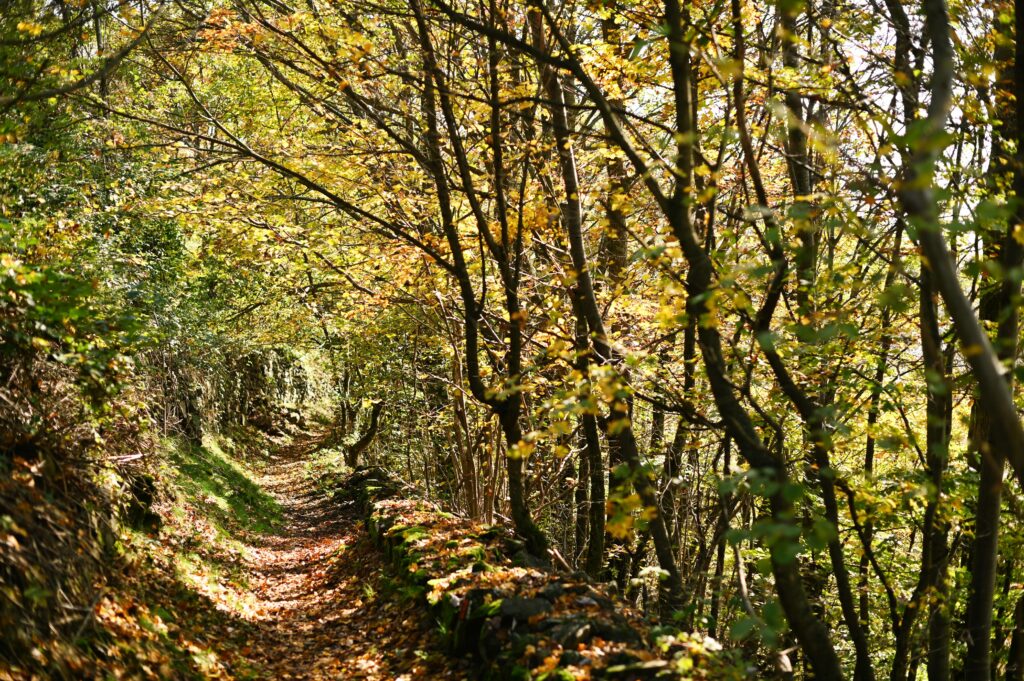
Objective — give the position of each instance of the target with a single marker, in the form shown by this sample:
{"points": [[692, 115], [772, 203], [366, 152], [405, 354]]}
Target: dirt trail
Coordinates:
{"points": [[325, 606]]}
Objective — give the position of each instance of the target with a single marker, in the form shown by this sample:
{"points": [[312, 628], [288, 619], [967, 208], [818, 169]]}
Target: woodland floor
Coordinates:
{"points": [[309, 598], [325, 611]]}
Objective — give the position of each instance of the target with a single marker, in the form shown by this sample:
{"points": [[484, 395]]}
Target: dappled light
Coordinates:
{"points": [[513, 340]]}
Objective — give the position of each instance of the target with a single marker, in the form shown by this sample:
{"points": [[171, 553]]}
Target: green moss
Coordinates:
{"points": [[557, 675], [486, 609], [224, 487]]}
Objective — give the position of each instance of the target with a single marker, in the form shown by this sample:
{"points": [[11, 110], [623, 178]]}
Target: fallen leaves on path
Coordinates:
{"points": [[308, 599], [329, 612]]}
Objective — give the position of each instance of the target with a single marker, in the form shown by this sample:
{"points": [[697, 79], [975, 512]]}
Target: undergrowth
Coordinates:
{"points": [[217, 476], [170, 593], [326, 466]]}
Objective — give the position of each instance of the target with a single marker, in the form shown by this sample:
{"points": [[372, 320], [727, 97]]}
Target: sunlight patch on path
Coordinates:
{"points": [[322, 608]]}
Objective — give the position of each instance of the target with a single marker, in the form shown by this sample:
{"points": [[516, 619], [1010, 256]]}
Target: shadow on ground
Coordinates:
{"points": [[258, 575]]}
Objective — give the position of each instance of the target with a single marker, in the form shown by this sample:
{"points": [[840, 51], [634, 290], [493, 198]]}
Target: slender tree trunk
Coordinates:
{"points": [[873, 413], [619, 428], [592, 452], [999, 304], [508, 408], [716, 592], [616, 241], [938, 414], [581, 497], [1015, 655]]}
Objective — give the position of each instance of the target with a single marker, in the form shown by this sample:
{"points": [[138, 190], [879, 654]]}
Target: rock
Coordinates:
{"points": [[620, 633], [571, 632], [552, 591], [491, 639], [142, 494], [524, 608], [524, 559], [294, 417], [571, 658], [626, 666]]}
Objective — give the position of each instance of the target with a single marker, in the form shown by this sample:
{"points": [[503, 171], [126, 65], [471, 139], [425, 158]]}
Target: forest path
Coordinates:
{"points": [[325, 608]]}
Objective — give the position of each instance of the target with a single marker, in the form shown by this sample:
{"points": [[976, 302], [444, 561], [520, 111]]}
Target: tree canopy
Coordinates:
{"points": [[715, 302]]}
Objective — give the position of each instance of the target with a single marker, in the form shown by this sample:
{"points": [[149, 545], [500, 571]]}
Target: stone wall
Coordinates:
{"points": [[518, 620], [194, 396]]}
